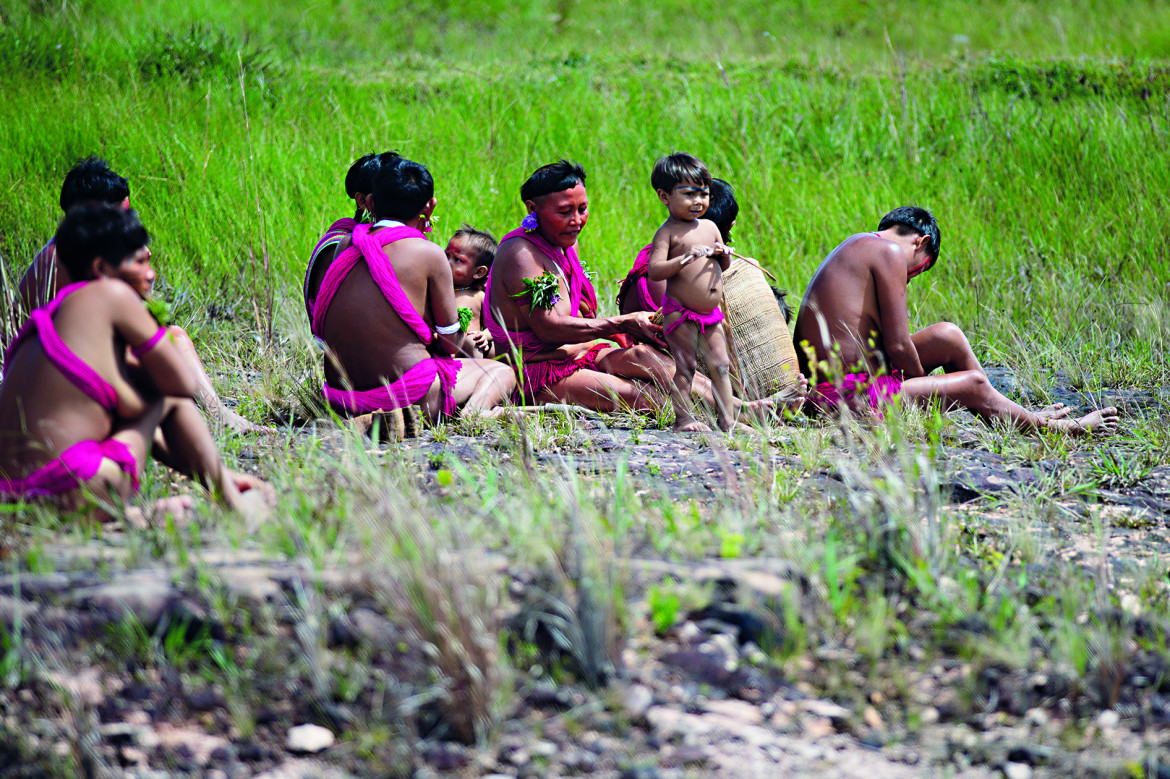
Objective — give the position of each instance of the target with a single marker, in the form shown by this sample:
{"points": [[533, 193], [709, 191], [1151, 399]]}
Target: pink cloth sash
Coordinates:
{"points": [[411, 387], [878, 390], [538, 375], [333, 236], [414, 383], [79, 373], [580, 290], [671, 306], [76, 465], [638, 277]]}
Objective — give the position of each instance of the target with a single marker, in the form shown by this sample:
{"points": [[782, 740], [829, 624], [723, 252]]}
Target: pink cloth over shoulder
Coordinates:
{"points": [[672, 306], [79, 373], [580, 290], [412, 385], [70, 469], [535, 376], [639, 278], [878, 391], [333, 236]]}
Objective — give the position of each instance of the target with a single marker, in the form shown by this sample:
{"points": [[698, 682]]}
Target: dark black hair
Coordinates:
{"points": [[554, 177], [402, 189], [361, 175], [91, 230], [723, 208], [677, 168], [92, 180], [912, 219]]}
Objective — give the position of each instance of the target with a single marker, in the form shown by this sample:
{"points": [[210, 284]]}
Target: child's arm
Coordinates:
{"points": [[663, 267]]}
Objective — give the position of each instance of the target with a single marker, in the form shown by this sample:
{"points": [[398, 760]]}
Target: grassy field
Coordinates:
{"points": [[1035, 131]]}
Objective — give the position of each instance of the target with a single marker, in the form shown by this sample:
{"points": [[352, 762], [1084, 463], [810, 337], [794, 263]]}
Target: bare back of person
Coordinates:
{"points": [[840, 315], [369, 341]]}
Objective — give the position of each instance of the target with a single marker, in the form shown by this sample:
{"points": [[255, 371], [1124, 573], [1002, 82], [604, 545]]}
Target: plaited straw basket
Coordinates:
{"points": [[763, 359]]}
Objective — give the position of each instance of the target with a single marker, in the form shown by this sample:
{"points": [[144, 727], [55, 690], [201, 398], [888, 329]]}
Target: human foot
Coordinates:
{"points": [[1055, 411], [1102, 422], [252, 498], [691, 426], [178, 508], [238, 423]]}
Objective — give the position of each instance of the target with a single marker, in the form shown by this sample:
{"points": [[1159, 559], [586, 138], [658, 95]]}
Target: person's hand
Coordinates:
{"points": [[721, 248], [641, 327], [481, 340], [695, 253]]}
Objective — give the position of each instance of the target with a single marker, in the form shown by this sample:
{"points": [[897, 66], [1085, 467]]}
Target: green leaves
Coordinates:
{"points": [[543, 291]]}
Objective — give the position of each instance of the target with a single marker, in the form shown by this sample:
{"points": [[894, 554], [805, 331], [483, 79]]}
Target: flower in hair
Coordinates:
{"points": [[529, 223]]}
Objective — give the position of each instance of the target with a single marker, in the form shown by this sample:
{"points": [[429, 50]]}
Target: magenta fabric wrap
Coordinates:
{"points": [[333, 236], [580, 290], [414, 383], [410, 388], [538, 375], [878, 390], [638, 278], [671, 306], [368, 248], [149, 343], [63, 358], [76, 465]]}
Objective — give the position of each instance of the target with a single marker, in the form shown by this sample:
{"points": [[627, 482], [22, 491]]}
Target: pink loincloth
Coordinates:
{"points": [[410, 388], [878, 390], [76, 465], [538, 375], [671, 306]]}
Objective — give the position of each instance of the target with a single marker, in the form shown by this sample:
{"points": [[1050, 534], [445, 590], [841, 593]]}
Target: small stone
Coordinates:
{"points": [[929, 715], [872, 718], [544, 749], [636, 700], [309, 739], [1017, 771], [1108, 719], [689, 633], [133, 756], [1037, 716], [737, 710]]}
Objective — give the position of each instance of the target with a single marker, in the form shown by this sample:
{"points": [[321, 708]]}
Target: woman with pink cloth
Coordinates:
{"points": [[386, 313], [76, 415]]}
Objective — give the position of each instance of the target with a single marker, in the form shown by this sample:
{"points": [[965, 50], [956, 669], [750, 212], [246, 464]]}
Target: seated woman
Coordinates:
{"points": [[75, 417]]}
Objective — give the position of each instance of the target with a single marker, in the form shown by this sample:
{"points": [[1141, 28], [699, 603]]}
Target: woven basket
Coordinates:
{"points": [[763, 359]]}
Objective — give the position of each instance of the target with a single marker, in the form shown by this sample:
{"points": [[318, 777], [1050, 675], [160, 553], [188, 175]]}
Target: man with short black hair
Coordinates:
{"points": [[855, 345]]}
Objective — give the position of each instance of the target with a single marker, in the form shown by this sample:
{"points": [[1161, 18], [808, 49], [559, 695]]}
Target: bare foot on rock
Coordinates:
{"points": [[250, 497], [1103, 422], [691, 426]]}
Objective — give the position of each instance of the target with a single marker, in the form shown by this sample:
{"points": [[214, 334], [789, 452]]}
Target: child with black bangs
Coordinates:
{"points": [[470, 253]]}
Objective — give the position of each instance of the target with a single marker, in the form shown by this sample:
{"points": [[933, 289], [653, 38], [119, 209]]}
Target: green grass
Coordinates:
{"points": [[1035, 132]]}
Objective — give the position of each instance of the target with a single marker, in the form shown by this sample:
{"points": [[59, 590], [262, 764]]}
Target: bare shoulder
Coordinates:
{"points": [[518, 259]]}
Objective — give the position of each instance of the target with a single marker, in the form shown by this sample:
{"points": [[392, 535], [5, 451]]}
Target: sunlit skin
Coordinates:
{"points": [[854, 318], [688, 253], [369, 344], [42, 413], [45, 276]]}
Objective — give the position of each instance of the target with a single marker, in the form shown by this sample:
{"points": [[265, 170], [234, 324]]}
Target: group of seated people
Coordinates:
{"points": [[93, 385]]}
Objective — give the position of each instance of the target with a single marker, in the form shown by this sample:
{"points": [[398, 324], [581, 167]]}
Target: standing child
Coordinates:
{"points": [[470, 253], [689, 254]]}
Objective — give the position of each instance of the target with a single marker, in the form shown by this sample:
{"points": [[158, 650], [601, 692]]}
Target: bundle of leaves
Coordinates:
{"points": [[543, 291]]}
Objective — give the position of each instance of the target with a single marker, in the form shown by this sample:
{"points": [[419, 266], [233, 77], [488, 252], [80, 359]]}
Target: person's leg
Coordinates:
{"points": [[110, 480], [187, 446], [719, 361], [683, 341], [971, 390], [945, 345], [602, 392], [482, 385], [205, 394]]}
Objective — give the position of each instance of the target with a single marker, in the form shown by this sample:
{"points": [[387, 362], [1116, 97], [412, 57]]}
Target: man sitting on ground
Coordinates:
{"points": [[854, 325], [92, 181], [385, 299]]}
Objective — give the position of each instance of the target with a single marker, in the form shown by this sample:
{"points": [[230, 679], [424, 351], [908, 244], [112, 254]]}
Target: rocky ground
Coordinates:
{"points": [[698, 699]]}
